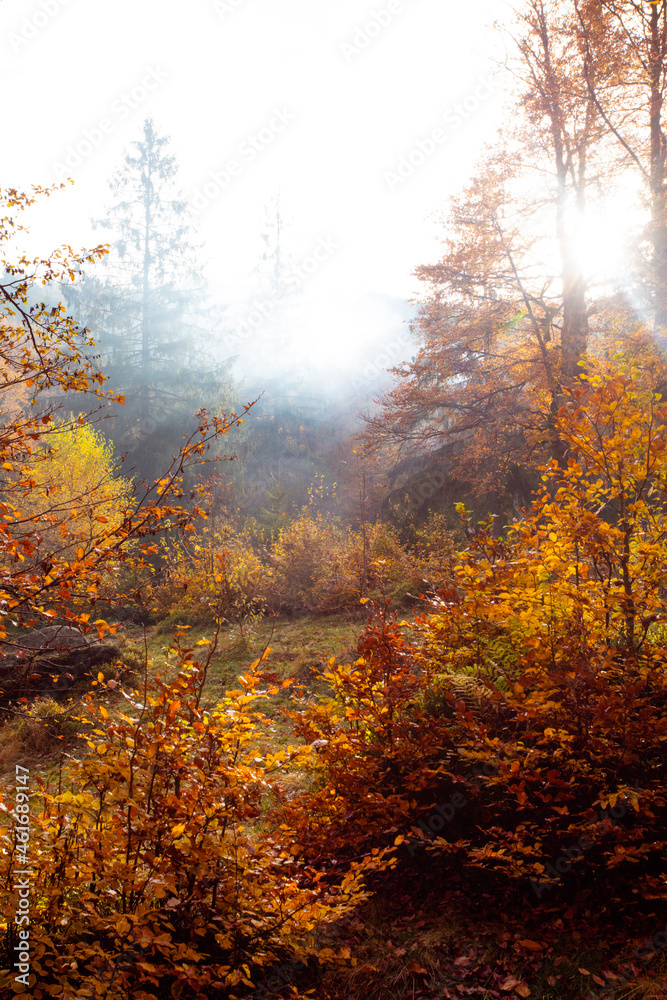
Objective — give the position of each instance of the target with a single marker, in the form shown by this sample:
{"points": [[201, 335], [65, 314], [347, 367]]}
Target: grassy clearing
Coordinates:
{"points": [[37, 736], [300, 649]]}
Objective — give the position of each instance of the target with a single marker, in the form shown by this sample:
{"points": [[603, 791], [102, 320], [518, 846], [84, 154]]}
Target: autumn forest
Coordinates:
{"points": [[357, 686]]}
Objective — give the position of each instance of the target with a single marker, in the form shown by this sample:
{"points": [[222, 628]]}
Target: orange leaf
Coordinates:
{"points": [[531, 945]]}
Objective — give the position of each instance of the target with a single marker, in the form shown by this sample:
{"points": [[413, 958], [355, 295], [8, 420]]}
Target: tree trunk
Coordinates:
{"points": [[657, 168], [145, 299]]}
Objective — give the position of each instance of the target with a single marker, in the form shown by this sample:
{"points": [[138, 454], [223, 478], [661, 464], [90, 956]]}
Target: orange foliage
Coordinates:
{"points": [[554, 785], [42, 359], [314, 564], [154, 867]]}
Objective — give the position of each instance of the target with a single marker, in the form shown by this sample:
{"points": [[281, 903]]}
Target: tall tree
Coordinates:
{"points": [[505, 319], [148, 312], [629, 39]]}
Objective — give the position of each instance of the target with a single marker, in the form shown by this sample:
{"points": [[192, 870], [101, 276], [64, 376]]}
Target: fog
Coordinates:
{"points": [[329, 103]]}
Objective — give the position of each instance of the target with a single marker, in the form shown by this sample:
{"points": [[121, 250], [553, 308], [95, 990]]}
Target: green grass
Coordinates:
{"points": [[300, 648]]}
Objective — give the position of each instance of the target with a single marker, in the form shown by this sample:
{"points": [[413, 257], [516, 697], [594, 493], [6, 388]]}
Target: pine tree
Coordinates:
{"points": [[148, 312]]}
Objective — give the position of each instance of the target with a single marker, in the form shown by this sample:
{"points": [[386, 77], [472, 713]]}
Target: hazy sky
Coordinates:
{"points": [[366, 116]]}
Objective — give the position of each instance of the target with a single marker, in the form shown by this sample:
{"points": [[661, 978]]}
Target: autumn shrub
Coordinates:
{"points": [[392, 568], [213, 571], [311, 566], [377, 755], [315, 563], [152, 873], [433, 552], [561, 793], [319, 564]]}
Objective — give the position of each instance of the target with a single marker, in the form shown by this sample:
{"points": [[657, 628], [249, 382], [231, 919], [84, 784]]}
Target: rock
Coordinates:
{"points": [[54, 637], [50, 660]]}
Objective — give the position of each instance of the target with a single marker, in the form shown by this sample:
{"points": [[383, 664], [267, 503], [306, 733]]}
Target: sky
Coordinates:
{"points": [[365, 116]]}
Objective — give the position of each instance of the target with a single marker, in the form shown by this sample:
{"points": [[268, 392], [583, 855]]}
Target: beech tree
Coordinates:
{"points": [[629, 40], [505, 321], [45, 359]]}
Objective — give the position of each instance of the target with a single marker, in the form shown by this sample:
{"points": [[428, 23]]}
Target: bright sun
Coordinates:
{"points": [[604, 238]]}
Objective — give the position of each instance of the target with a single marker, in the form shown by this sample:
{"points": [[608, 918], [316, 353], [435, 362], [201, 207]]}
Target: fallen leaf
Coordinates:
{"points": [[531, 945]]}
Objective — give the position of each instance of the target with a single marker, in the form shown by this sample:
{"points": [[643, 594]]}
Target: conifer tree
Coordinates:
{"points": [[148, 312]]}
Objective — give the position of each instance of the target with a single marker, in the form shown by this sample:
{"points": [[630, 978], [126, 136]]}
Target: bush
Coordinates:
{"points": [[217, 573], [314, 564], [561, 787], [152, 873]]}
